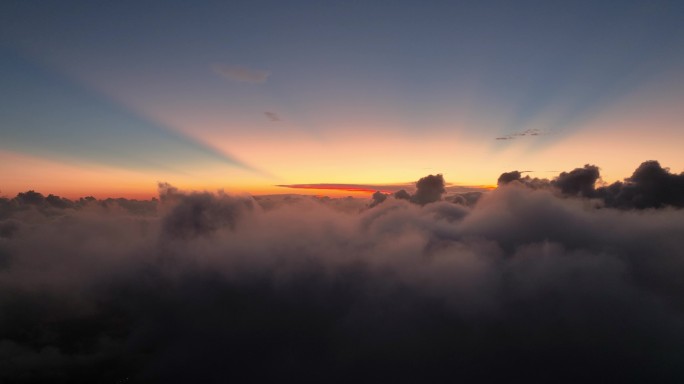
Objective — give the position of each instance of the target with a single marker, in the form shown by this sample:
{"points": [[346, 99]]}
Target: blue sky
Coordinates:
{"points": [[486, 69]]}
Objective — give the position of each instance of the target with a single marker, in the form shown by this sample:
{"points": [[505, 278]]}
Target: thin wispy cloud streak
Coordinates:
{"points": [[528, 132], [526, 284], [241, 74], [347, 187], [385, 188], [272, 116]]}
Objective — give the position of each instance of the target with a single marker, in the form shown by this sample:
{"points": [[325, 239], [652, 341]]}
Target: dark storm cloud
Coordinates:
{"points": [[522, 286]]}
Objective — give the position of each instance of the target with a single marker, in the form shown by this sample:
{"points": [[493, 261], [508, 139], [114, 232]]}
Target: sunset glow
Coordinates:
{"points": [[409, 191], [243, 115]]}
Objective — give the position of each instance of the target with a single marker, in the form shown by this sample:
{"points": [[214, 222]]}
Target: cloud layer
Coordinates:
{"points": [[650, 186], [525, 285]]}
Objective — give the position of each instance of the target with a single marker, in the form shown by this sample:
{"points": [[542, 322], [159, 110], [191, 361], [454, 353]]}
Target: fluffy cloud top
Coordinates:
{"points": [[525, 285], [651, 186]]}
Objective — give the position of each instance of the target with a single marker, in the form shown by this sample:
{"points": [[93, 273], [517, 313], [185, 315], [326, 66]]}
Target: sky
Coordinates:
{"points": [[108, 99], [495, 239]]}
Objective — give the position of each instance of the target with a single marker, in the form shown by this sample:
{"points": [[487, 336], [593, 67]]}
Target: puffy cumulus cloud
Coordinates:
{"points": [[31, 201], [346, 204], [200, 213], [377, 198], [30, 198], [578, 182], [508, 177], [465, 198], [516, 176], [651, 186], [402, 195], [429, 189], [523, 286]]}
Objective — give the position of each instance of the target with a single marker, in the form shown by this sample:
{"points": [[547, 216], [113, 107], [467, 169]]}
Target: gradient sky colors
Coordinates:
{"points": [[109, 98]]}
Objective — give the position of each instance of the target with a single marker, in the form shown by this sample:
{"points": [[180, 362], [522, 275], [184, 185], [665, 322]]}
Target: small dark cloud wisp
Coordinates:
{"points": [[272, 116], [241, 74], [517, 135]]}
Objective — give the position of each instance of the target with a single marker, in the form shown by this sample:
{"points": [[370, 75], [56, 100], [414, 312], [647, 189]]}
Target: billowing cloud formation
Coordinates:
{"points": [[466, 198], [508, 177], [429, 189], [525, 286], [241, 74], [578, 182], [651, 186], [432, 188], [516, 176], [196, 214], [378, 197], [402, 195]]}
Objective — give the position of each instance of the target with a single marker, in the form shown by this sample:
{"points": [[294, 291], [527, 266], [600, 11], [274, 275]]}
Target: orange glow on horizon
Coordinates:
{"points": [[338, 187]]}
